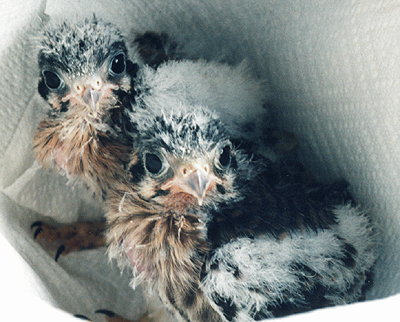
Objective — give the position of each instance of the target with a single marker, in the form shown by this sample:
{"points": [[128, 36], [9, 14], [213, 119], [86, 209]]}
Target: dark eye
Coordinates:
{"points": [[52, 80], [153, 163], [118, 64], [225, 156]]}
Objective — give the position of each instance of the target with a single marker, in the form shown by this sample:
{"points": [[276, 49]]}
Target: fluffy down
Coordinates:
{"points": [[223, 235], [231, 91], [257, 276]]}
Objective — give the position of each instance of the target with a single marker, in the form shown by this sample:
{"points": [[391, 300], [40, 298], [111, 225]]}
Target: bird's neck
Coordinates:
{"points": [[167, 249], [160, 243], [167, 246], [80, 151]]}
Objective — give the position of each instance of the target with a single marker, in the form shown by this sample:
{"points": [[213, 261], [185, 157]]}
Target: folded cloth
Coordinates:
{"points": [[333, 67]]}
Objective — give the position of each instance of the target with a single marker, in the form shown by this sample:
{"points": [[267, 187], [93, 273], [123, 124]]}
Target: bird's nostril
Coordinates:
{"points": [[96, 84]]}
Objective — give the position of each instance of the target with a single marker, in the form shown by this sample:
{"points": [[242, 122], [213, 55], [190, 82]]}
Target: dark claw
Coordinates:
{"points": [[36, 223], [82, 317], [37, 232], [109, 313], [60, 250], [39, 228]]}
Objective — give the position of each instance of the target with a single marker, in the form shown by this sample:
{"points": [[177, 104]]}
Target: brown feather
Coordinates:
{"points": [[167, 248], [82, 152]]}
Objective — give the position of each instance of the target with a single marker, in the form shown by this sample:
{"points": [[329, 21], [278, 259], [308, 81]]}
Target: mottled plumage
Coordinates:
{"points": [[224, 236], [233, 92], [90, 78], [88, 82], [87, 78]]}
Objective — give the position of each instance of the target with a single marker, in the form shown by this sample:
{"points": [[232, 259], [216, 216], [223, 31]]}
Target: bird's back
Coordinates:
{"points": [[291, 245]]}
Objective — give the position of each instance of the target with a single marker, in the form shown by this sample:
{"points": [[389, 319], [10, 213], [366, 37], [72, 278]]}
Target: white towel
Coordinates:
{"points": [[333, 67]]}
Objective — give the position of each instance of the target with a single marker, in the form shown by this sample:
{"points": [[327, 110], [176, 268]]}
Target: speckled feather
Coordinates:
{"points": [[197, 258], [79, 49], [87, 145], [164, 242], [233, 92]]}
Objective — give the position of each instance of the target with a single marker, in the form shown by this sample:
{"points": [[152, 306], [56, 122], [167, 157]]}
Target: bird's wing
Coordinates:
{"points": [[266, 276], [283, 198]]}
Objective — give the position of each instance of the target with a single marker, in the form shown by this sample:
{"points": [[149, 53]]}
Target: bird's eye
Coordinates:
{"points": [[225, 156], [118, 64], [153, 163], [52, 80]]}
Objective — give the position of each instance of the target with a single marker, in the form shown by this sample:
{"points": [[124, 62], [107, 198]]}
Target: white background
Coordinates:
{"points": [[333, 67]]}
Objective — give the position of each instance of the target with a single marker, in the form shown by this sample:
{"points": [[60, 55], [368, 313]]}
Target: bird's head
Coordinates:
{"points": [[186, 160], [84, 68]]}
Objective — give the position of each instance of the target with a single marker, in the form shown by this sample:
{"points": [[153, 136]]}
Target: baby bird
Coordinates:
{"points": [[89, 77], [221, 235], [88, 82]]}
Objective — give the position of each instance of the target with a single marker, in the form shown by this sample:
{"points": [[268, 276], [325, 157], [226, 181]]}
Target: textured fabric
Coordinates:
{"points": [[333, 67]]}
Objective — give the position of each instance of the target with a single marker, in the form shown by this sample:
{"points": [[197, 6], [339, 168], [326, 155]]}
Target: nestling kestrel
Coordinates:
{"points": [[224, 236]]}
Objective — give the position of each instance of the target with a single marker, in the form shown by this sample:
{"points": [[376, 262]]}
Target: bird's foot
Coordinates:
{"points": [[72, 237]]}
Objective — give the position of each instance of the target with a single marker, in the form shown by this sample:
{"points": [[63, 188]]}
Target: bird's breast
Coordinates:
{"points": [[76, 148]]}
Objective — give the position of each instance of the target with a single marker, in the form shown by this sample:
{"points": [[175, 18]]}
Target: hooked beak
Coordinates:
{"points": [[91, 97], [90, 92], [195, 180], [197, 183]]}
